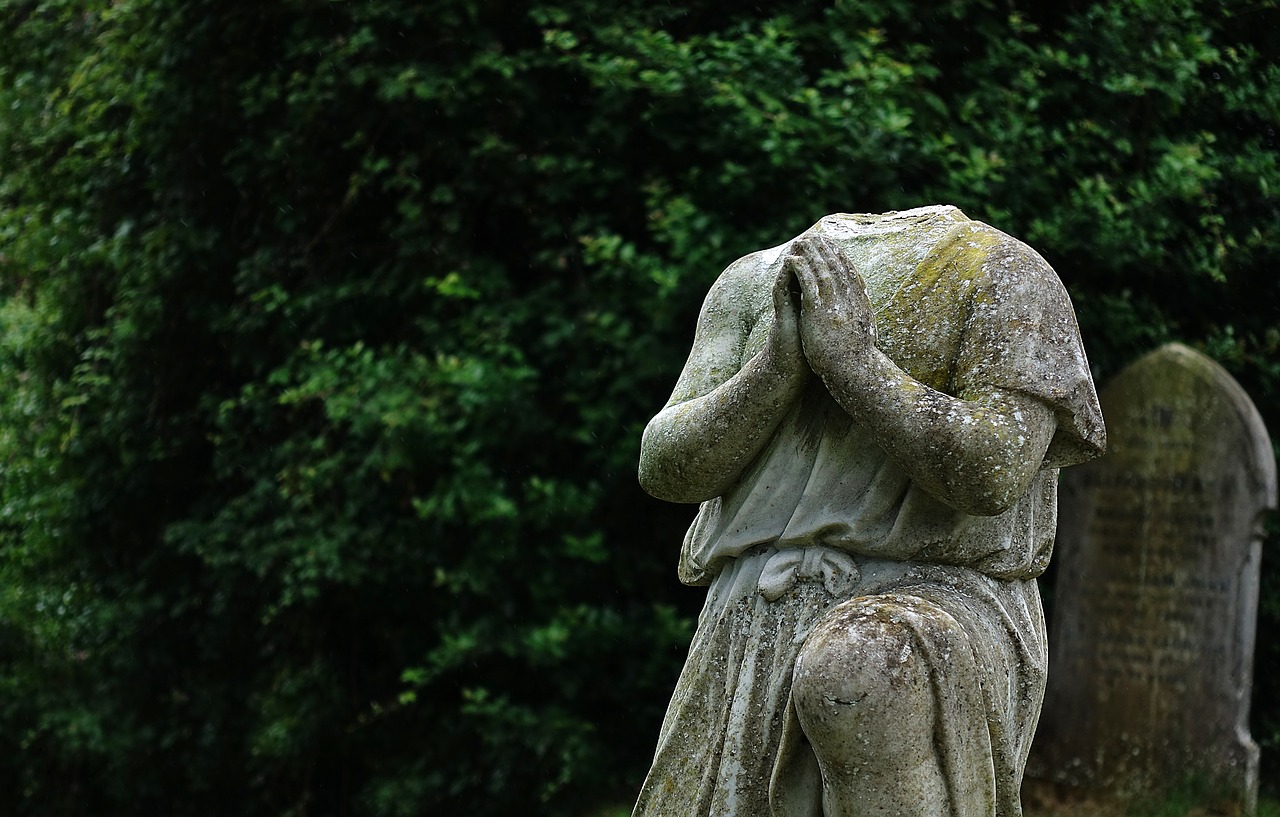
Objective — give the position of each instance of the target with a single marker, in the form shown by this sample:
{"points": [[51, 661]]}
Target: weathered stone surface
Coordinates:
{"points": [[1158, 554], [872, 418]]}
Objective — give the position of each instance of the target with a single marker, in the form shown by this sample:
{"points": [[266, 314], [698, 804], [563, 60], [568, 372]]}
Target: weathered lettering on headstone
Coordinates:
{"points": [[1158, 556]]}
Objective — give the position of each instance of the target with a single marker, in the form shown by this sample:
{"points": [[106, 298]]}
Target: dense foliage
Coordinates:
{"points": [[328, 330]]}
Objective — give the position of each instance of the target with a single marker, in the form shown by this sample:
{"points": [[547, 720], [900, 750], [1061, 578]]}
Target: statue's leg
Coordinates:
{"points": [[864, 694]]}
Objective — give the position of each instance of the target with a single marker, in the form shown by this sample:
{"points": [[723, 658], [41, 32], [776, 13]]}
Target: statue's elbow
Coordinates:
{"points": [[996, 494], [994, 477], [677, 468], [666, 483], [665, 478], [984, 505], [659, 472], [651, 480], [653, 471]]}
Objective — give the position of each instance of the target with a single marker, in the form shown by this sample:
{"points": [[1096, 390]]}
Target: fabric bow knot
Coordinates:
{"points": [[835, 568]]}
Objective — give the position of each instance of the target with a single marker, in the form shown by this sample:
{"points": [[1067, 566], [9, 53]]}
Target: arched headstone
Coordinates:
{"points": [[1151, 652]]}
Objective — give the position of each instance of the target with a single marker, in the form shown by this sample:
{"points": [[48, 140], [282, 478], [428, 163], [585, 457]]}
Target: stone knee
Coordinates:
{"points": [[862, 687]]}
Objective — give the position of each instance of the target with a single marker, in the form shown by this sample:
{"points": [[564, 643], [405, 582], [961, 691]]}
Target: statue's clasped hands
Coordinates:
{"points": [[831, 322]]}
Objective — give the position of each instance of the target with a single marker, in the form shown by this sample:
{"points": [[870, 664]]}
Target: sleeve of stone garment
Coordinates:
{"points": [[1021, 336]]}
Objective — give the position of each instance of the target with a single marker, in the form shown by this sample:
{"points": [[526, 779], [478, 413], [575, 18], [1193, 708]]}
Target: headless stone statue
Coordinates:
{"points": [[872, 417]]}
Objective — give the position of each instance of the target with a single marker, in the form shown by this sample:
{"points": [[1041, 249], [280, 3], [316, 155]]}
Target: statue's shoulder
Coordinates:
{"points": [[981, 264], [994, 255], [741, 293], [752, 270]]}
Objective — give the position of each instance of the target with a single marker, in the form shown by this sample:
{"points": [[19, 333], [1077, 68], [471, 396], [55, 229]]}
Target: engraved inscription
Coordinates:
{"points": [[1151, 530]]}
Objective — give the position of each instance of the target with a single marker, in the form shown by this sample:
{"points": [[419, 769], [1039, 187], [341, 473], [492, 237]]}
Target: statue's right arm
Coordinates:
{"points": [[724, 411]]}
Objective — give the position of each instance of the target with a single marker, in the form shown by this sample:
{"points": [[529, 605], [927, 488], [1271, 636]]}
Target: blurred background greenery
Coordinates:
{"points": [[328, 330]]}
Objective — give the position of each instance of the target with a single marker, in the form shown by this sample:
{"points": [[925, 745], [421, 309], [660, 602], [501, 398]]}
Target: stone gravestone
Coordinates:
{"points": [[1158, 555]]}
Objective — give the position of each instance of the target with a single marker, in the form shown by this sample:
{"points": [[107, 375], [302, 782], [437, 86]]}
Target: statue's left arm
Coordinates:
{"points": [[978, 453]]}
